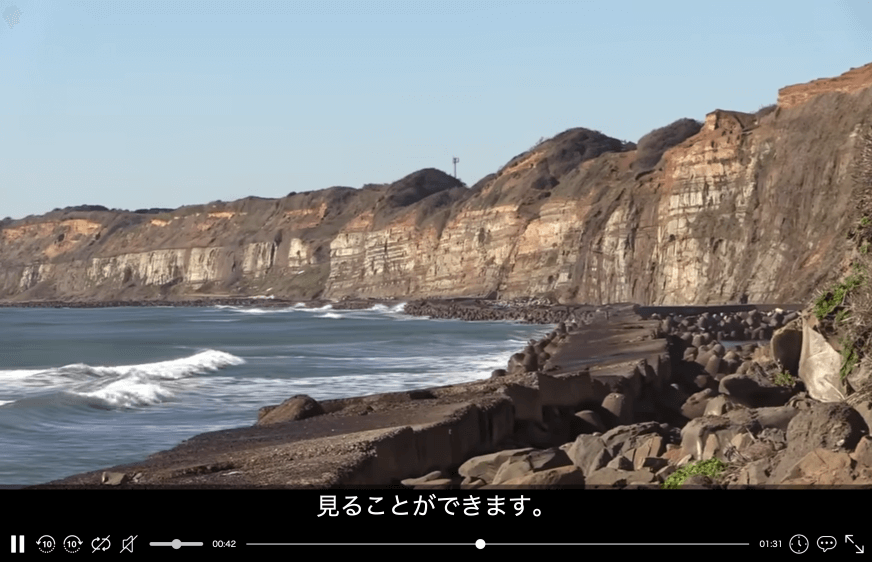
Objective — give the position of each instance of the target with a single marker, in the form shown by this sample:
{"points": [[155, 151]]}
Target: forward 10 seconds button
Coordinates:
{"points": [[72, 544]]}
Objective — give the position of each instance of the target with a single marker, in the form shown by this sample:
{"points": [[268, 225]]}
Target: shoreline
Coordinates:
{"points": [[618, 400]]}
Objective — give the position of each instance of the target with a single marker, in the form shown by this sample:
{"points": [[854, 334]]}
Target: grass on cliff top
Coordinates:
{"points": [[711, 468]]}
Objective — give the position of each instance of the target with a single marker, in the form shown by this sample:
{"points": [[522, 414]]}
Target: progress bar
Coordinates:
{"points": [[482, 544]]}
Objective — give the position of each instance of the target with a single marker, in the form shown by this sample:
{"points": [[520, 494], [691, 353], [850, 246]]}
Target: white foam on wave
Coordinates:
{"points": [[209, 360], [396, 309], [4, 402], [130, 392], [127, 385], [20, 374], [330, 315]]}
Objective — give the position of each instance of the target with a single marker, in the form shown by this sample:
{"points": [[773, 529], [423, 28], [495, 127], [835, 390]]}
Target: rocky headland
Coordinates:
{"points": [[742, 207]]}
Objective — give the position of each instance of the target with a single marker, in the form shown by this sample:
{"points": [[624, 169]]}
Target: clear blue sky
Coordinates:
{"points": [[133, 104]]}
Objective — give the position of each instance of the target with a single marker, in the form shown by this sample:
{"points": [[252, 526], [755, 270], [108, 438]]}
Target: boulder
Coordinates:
{"points": [[617, 410], [616, 478], [295, 408], [720, 405], [694, 406], [534, 461], [412, 482], [787, 346], [753, 390], [831, 426], [114, 478], [821, 467], [564, 476], [437, 484], [588, 421], [485, 467], [588, 453], [863, 453], [623, 439]]}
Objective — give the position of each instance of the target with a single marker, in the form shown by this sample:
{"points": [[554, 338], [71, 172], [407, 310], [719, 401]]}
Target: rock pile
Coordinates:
{"points": [[476, 310], [741, 326], [738, 408]]}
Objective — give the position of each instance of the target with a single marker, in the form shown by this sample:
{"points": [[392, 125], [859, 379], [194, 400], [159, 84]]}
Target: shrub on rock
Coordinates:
{"points": [[652, 146]]}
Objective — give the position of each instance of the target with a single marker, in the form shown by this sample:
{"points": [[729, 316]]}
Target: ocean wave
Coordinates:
{"points": [[126, 385], [20, 374], [199, 363], [330, 315]]}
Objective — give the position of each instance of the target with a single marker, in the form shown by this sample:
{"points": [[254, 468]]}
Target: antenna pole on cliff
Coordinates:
{"points": [[456, 160]]}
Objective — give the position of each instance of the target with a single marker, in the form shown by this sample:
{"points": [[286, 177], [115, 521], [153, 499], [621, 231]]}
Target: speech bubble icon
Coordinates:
{"points": [[826, 543]]}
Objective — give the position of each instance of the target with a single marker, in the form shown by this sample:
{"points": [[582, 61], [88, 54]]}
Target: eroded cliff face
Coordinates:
{"points": [[748, 207]]}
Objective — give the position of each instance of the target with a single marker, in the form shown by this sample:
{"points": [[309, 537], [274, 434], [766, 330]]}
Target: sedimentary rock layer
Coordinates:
{"points": [[753, 207]]}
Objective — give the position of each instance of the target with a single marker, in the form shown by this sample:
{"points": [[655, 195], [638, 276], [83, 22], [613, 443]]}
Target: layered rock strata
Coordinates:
{"points": [[752, 208]]}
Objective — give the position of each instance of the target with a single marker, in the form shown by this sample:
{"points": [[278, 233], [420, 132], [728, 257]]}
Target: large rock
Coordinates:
{"points": [[862, 375], [617, 410], [786, 346], [710, 436], [588, 421], [831, 426], [819, 365], [295, 408], [588, 452], [694, 406], [821, 467], [485, 467], [622, 439], [616, 478], [564, 476], [534, 461], [754, 390], [412, 482]]}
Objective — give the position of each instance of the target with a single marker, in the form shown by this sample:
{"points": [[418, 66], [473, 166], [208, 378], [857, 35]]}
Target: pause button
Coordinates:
{"points": [[19, 542]]}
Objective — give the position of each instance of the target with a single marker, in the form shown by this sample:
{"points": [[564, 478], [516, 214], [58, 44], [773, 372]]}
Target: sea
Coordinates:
{"points": [[87, 389]]}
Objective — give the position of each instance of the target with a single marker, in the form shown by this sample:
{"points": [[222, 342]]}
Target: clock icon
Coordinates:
{"points": [[798, 544]]}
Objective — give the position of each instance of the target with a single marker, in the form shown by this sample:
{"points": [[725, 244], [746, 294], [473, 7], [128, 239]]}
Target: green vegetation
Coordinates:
{"points": [[711, 468], [834, 298], [784, 379], [865, 221], [849, 359]]}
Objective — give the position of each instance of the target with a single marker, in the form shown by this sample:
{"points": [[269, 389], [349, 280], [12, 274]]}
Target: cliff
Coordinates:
{"points": [[754, 207]]}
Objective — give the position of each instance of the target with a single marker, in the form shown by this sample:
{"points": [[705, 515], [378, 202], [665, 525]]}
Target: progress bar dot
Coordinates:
{"points": [[479, 544]]}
